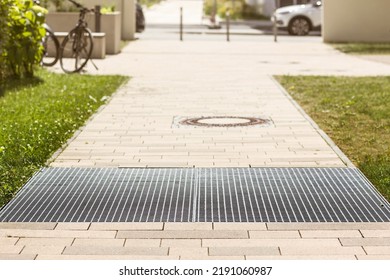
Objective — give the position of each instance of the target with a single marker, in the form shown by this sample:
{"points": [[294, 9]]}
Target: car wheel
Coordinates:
{"points": [[299, 26]]}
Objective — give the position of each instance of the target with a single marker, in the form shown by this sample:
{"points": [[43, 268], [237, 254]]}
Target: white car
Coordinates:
{"points": [[299, 19]]}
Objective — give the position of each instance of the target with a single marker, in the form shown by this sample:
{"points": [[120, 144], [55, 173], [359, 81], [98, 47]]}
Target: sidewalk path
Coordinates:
{"points": [[173, 80]]}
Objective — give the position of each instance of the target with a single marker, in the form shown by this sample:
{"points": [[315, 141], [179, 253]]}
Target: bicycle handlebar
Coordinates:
{"points": [[78, 5]]}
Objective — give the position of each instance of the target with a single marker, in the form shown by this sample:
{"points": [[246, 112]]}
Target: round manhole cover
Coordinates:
{"points": [[223, 121]]}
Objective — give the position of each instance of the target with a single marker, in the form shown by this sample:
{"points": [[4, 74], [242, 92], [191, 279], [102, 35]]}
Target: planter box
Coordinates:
{"points": [[110, 25], [99, 45]]}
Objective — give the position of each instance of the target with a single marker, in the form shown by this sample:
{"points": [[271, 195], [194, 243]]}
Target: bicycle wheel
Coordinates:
{"points": [[51, 49], [76, 50]]}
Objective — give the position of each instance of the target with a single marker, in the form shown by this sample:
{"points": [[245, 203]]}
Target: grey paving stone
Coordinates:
{"points": [[43, 226], [152, 251], [328, 226], [17, 257], [385, 241], [246, 251], [183, 234]]}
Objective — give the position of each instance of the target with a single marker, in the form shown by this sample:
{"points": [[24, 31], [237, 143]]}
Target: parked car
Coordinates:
{"points": [[299, 19], [140, 19]]}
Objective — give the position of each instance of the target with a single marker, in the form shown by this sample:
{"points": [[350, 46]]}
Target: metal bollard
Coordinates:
{"points": [[181, 23], [275, 27], [275, 30], [97, 18], [228, 25]]}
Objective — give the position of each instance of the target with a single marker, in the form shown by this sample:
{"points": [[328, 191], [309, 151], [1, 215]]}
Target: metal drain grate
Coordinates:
{"points": [[288, 195], [197, 195]]}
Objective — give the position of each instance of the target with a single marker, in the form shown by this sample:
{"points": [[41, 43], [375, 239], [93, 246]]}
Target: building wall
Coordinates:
{"points": [[356, 21]]}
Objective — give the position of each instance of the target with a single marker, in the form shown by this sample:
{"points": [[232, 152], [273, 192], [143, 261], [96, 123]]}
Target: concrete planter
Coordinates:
{"points": [[127, 9], [110, 25], [99, 45]]}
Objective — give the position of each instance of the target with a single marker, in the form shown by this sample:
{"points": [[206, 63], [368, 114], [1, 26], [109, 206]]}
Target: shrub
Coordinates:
{"points": [[235, 9], [238, 9], [149, 3], [21, 36], [25, 26]]}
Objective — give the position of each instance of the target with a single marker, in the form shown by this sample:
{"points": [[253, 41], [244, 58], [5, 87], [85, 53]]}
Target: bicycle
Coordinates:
{"points": [[50, 43], [76, 48]]}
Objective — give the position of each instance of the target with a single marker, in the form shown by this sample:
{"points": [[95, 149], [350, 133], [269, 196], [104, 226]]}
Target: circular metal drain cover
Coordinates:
{"points": [[223, 121]]}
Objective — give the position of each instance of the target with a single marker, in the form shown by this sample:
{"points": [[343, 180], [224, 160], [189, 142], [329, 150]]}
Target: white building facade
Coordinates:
{"points": [[356, 21]]}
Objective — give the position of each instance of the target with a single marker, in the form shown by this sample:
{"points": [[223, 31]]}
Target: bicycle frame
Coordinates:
{"points": [[79, 41]]}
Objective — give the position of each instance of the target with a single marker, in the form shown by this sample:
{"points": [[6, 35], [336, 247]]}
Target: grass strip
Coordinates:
{"points": [[355, 113], [39, 115], [363, 48]]}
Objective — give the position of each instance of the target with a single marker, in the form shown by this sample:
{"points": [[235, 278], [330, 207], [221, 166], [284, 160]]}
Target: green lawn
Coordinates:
{"points": [[355, 113], [363, 48], [39, 115]]}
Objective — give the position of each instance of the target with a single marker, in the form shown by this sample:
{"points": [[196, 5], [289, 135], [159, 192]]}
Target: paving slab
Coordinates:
{"points": [[43, 249], [17, 257], [380, 241], [304, 257], [201, 244]]}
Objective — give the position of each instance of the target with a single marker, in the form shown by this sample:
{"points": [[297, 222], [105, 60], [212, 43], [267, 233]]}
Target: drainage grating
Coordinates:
{"points": [[197, 195]]}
